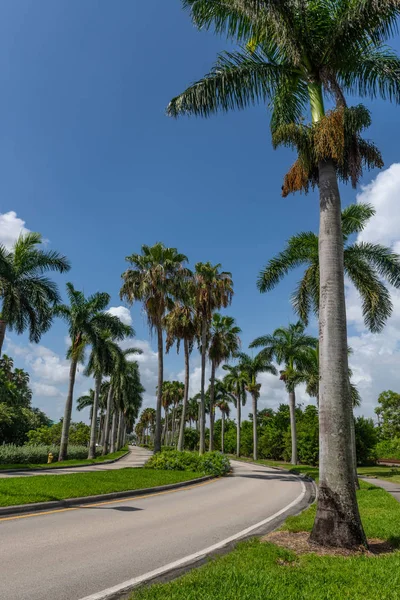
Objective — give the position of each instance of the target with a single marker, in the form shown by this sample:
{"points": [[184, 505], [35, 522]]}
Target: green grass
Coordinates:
{"points": [[65, 463], [377, 471], [42, 488], [264, 571]]}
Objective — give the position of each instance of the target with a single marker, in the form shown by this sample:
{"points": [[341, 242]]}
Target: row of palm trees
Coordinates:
{"points": [[30, 300], [292, 55]]}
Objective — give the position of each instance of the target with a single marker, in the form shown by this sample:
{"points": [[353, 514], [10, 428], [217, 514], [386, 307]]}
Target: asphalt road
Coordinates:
{"points": [[71, 554], [136, 458]]}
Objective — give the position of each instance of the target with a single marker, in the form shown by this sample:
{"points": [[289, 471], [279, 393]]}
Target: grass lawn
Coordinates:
{"points": [[258, 570], [380, 472], [23, 490], [65, 463]]}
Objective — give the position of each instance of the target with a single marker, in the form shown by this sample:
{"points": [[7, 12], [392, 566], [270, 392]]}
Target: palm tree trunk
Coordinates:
{"points": [[293, 429], [102, 431], [185, 397], [119, 430], [173, 425], [107, 421], [337, 521], [3, 326], [212, 416], [166, 425], [223, 433], [354, 449], [93, 429], [202, 445], [255, 436], [67, 412], [113, 431], [239, 422], [157, 436]]}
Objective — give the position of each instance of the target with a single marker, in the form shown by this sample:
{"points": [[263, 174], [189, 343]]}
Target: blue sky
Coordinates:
{"points": [[89, 159]]}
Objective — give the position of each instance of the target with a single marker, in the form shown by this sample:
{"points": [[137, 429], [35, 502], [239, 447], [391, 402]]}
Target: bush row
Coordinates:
{"points": [[11, 454], [210, 463]]}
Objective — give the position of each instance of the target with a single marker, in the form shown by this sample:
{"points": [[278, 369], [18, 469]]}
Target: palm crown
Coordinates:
{"points": [[224, 338], [153, 280], [27, 295], [296, 52], [364, 263]]}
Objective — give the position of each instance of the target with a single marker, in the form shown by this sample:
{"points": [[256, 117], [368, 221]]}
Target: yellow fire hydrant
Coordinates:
{"points": [[50, 458]]}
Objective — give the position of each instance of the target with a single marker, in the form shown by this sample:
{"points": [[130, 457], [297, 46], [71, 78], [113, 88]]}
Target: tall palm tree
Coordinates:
{"points": [[192, 412], [235, 382], [365, 264], [251, 367], [213, 290], [86, 322], [288, 345], [27, 296], [180, 324], [222, 399], [223, 343], [167, 399], [153, 279], [101, 363], [129, 393], [296, 55]]}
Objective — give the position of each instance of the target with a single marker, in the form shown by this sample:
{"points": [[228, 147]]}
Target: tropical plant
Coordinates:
{"points": [[155, 279], [101, 362], [127, 398], [251, 367], [180, 324], [87, 320], [296, 55], [290, 346], [235, 382], [223, 343], [365, 264], [222, 399], [213, 289], [27, 296], [86, 401]]}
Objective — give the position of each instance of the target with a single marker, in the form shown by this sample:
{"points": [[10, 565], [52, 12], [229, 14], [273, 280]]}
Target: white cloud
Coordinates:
{"points": [[48, 391], [11, 227], [122, 312], [376, 357]]}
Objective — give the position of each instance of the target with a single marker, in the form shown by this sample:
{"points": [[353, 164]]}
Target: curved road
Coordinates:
{"points": [[74, 553]]}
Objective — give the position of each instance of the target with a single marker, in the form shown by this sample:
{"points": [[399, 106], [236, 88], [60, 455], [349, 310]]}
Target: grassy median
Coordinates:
{"points": [[260, 570], [42, 488]]}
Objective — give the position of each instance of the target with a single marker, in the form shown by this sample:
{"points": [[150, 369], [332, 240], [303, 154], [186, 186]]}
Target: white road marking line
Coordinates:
{"points": [[130, 584]]}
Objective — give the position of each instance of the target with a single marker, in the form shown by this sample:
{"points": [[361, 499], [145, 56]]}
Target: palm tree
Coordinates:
{"points": [[365, 265], [295, 56], [129, 394], [86, 321], [86, 401], [101, 362], [154, 279], [181, 324], [251, 367], [223, 343], [222, 398], [213, 290], [192, 412], [288, 345], [235, 382], [167, 399], [27, 296]]}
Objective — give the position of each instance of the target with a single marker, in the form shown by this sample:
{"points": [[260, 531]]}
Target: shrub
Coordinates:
{"points": [[191, 439], [11, 454], [210, 463], [389, 449], [366, 438]]}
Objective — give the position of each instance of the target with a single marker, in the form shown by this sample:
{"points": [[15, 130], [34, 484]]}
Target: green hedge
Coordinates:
{"points": [[210, 463], [21, 455]]}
